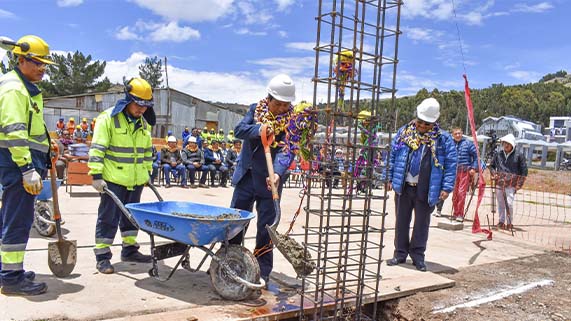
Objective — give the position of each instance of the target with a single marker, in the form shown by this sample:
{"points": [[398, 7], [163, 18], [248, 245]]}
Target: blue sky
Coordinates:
{"points": [[227, 50]]}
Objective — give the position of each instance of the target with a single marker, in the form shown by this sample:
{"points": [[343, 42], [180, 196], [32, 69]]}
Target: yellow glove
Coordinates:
{"points": [[32, 182]]}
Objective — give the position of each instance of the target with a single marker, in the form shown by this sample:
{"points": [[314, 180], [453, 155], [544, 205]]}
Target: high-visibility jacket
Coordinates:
{"points": [[84, 126], [23, 131], [60, 125], [70, 127], [121, 150]]}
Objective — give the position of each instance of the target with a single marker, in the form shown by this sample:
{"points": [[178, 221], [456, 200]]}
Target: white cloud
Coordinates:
{"points": [[282, 34], [157, 32], [69, 3], [422, 34], [125, 33], [246, 31], [193, 11], [307, 46], [172, 32], [284, 4], [527, 76], [6, 14], [538, 8], [253, 15]]}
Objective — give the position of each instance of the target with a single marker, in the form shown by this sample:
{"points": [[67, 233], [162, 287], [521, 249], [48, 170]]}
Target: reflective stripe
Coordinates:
{"points": [[95, 159], [103, 250], [118, 149], [124, 160], [129, 233], [103, 242], [40, 147], [15, 257], [148, 159], [130, 241], [39, 138], [149, 150], [9, 80], [13, 247], [13, 127], [14, 143], [99, 147], [13, 266], [116, 121]]}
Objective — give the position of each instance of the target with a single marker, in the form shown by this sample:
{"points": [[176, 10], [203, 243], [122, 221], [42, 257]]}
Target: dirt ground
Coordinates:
{"points": [[549, 302]]}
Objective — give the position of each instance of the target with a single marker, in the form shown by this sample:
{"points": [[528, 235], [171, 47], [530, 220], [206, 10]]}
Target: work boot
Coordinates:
{"points": [[438, 214], [105, 267], [137, 257], [203, 185], [460, 219], [25, 288]]}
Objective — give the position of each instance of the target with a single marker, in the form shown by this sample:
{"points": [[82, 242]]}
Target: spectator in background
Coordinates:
{"points": [[71, 126], [185, 135], [230, 137], [340, 169], [193, 159], [224, 150], [169, 134], [232, 156], [171, 160], [196, 134], [78, 135], [215, 161], [509, 169], [60, 126], [422, 170], [466, 166], [65, 139]]}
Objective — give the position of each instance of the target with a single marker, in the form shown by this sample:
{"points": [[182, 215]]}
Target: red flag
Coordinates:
{"points": [[481, 183]]}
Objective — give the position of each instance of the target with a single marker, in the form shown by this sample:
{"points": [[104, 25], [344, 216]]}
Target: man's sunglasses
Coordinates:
{"points": [[422, 122], [36, 62]]}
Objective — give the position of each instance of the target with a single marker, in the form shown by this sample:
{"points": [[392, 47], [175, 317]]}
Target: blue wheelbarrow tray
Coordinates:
{"points": [[158, 218], [46, 192]]}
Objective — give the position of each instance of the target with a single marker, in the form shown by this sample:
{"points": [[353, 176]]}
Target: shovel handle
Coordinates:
{"points": [[266, 142], [53, 183]]}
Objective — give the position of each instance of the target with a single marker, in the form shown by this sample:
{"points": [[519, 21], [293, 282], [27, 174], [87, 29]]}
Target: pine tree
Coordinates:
{"points": [[152, 71]]}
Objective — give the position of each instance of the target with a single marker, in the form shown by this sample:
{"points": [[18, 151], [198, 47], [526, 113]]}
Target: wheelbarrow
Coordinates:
{"points": [[234, 271], [43, 210]]}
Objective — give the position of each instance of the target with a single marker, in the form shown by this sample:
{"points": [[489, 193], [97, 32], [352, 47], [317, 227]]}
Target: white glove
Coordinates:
{"points": [[99, 185], [32, 182]]}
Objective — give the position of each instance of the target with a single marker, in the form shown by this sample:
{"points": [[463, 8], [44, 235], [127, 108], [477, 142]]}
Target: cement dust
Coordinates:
{"points": [[221, 217]]}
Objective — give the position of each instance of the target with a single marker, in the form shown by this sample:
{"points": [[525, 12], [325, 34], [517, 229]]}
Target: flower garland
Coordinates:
{"points": [[301, 129], [278, 123], [411, 137], [344, 70]]}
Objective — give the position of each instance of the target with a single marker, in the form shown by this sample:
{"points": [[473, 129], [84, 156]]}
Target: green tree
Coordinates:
{"points": [[11, 64], [152, 71], [74, 74], [559, 74]]}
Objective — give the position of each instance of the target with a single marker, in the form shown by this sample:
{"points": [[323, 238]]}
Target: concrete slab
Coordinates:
{"points": [[131, 293], [447, 224]]}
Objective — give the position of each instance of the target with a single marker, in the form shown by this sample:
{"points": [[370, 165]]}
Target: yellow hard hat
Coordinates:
{"points": [[346, 56], [84, 119], [71, 119], [140, 89], [78, 127], [364, 114], [33, 47]]}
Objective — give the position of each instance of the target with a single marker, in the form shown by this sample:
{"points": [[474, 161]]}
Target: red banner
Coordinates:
{"points": [[476, 228]]}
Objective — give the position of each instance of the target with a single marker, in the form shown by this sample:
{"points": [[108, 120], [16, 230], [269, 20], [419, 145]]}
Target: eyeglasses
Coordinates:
{"points": [[36, 62], [422, 122]]}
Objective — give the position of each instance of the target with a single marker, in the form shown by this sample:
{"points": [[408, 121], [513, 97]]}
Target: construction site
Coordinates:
{"points": [[475, 271]]}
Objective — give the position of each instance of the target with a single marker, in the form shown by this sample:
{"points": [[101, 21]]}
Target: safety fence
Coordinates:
{"points": [[541, 210]]}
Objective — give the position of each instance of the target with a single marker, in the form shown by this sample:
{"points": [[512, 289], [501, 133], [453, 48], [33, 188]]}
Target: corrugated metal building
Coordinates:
{"points": [[175, 110]]}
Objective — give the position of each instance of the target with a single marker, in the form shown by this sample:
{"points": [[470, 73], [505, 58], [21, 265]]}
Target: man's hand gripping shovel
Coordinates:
{"points": [[294, 252], [62, 254]]}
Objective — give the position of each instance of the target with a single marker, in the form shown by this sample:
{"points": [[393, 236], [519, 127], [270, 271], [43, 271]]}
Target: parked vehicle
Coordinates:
{"points": [[565, 165]]}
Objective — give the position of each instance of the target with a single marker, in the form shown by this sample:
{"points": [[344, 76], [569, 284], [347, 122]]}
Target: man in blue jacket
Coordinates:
{"points": [[466, 167], [250, 178], [422, 170]]}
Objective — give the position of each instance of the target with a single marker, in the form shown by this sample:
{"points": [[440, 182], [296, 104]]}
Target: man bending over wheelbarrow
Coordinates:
{"points": [[250, 177], [120, 159]]}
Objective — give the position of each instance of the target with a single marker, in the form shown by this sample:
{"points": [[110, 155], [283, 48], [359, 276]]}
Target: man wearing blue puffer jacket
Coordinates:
{"points": [[422, 170]]}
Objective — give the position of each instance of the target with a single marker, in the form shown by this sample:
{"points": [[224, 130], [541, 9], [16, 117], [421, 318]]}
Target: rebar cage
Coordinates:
{"points": [[354, 88]]}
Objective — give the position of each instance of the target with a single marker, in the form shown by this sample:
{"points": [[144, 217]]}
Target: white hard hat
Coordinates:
{"points": [[282, 88], [192, 139], [337, 151], [428, 110], [171, 139], [509, 138]]}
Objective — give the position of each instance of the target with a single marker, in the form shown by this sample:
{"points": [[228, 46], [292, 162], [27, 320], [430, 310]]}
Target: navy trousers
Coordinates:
{"points": [[253, 189], [110, 217], [16, 218], [406, 202]]}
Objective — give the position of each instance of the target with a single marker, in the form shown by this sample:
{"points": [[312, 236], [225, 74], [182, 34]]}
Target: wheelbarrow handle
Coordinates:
{"points": [[154, 189], [121, 206]]}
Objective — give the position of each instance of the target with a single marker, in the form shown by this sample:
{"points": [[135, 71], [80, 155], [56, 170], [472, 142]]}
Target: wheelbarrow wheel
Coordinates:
{"points": [[43, 212], [244, 264]]}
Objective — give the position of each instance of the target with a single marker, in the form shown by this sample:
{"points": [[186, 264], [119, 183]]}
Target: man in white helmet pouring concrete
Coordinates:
{"points": [[251, 178]]}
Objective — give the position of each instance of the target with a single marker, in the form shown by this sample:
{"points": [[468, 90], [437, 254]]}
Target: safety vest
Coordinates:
{"points": [[60, 125], [120, 153], [22, 125], [84, 126]]}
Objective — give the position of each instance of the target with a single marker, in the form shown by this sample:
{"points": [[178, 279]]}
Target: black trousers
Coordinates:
{"points": [[405, 203]]}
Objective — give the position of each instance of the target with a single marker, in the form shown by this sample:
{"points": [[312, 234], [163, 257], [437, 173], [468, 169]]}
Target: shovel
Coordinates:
{"points": [[290, 248], [62, 254]]}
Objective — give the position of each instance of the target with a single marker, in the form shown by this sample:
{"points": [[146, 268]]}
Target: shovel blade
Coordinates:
{"points": [[62, 256], [293, 252]]}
